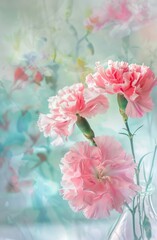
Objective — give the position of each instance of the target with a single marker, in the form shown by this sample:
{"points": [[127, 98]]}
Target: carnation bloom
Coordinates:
{"points": [[124, 15], [109, 12], [133, 81], [97, 179], [64, 108]]}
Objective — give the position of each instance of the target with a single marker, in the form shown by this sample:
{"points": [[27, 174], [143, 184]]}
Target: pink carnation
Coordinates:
{"points": [[133, 81], [119, 13], [64, 107], [98, 179], [109, 12]]}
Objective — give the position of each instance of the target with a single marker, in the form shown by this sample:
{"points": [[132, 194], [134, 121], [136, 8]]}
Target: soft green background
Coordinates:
{"points": [[49, 36]]}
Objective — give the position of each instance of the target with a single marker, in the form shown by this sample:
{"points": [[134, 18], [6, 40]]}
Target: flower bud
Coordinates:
{"points": [[85, 128], [122, 103]]}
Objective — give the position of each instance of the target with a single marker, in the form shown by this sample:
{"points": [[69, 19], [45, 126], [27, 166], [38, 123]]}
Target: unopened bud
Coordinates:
{"points": [[122, 103], [85, 128]]}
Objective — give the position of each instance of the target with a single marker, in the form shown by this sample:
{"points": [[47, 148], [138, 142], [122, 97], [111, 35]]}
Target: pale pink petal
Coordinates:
{"points": [[107, 143], [139, 107], [133, 81], [95, 103], [65, 107], [44, 124], [97, 209], [97, 179], [56, 126]]}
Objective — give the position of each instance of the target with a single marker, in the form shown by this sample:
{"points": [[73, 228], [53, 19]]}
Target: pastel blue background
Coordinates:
{"points": [[47, 35]]}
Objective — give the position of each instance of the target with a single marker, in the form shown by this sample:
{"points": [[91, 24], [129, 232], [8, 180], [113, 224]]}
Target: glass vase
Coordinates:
{"points": [[138, 220]]}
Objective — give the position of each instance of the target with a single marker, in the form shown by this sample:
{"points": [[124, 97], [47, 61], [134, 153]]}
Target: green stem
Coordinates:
{"points": [[134, 220], [130, 139], [151, 169], [122, 103], [127, 205], [130, 135], [150, 177], [133, 211], [140, 215], [79, 42]]}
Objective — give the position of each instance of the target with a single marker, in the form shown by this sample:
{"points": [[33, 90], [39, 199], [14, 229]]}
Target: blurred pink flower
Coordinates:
{"points": [[21, 78], [111, 11], [38, 77], [15, 185], [98, 179], [64, 107], [133, 81], [126, 16], [20, 74]]}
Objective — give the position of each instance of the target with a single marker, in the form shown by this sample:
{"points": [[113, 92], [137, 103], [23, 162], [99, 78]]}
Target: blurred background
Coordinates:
{"points": [[44, 46]]}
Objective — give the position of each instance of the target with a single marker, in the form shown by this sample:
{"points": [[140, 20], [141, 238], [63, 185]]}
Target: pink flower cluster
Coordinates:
{"points": [[25, 75], [21, 75], [129, 13], [134, 82], [64, 108], [98, 179], [112, 11]]}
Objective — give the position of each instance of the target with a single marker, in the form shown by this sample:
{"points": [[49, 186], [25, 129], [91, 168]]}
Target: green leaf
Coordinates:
{"points": [[137, 129], [125, 129], [147, 227], [144, 173], [141, 160], [124, 134]]}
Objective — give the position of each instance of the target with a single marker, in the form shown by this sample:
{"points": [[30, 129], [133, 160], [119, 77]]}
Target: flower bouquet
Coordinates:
{"points": [[98, 175]]}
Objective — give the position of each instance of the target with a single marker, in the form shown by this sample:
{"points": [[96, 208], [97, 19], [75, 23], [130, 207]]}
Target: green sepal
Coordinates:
{"points": [[84, 126], [122, 103]]}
